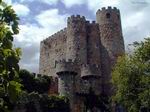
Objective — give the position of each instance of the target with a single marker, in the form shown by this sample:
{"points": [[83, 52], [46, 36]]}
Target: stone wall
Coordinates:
{"points": [[51, 49], [96, 45]]}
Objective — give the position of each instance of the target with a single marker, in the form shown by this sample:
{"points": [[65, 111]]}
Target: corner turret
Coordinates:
{"points": [[112, 42], [66, 75], [65, 66], [76, 39], [88, 71], [91, 75]]}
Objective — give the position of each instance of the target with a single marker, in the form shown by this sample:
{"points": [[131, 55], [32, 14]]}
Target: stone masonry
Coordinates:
{"points": [[82, 55]]}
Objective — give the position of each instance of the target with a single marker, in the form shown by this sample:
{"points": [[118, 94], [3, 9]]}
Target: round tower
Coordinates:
{"points": [[66, 84], [112, 43], [91, 77], [111, 32], [76, 39]]}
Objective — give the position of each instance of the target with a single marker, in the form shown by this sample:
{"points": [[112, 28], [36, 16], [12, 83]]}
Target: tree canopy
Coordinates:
{"points": [[131, 78], [9, 57], [40, 84], [20, 87]]}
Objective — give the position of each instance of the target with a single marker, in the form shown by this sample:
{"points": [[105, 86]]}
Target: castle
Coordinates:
{"points": [[82, 55]]}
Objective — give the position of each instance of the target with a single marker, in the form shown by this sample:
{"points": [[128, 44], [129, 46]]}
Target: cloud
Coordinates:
{"points": [[94, 6], [9, 2], [21, 9], [50, 2], [51, 19], [30, 55], [70, 3], [49, 22]]}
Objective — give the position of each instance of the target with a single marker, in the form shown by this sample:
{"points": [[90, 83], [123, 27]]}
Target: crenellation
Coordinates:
{"points": [[109, 8], [75, 18], [115, 8], [81, 55], [103, 8], [87, 22]]}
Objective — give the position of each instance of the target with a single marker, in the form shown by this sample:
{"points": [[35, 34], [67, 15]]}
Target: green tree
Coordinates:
{"points": [[9, 58], [31, 83], [54, 104], [131, 78]]}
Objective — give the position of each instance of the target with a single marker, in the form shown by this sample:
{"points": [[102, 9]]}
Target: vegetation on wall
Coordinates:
{"points": [[36, 98], [131, 78]]}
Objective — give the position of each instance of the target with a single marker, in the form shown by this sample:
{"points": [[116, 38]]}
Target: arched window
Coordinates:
{"points": [[108, 15]]}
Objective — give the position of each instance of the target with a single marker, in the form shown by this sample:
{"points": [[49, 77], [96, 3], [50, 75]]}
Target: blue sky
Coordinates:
{"points": [[41, 18]]}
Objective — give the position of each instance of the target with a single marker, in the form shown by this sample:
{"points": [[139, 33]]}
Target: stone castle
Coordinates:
{"points": [[82, 55]]}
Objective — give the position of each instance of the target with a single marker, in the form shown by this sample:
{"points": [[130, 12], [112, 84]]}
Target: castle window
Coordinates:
{"points": [[108, 15]]}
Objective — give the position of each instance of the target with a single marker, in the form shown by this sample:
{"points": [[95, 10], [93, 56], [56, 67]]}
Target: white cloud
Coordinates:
{"points": [[51, 2], [9, 2], [21, 9], [94, 5], [69, 3], [51, 19], [30, 35], [133, 21]]}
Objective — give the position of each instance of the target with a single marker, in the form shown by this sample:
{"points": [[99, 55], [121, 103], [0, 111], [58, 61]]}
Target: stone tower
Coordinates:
{"points": [[76, 39], [82, 55], [66, 84], [112, 42]]}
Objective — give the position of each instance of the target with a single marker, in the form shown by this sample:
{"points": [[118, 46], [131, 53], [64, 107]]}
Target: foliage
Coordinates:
{"points": [[54, 104], [9, 58], [36, 94], [34, 102], [13, 81], [31, 83], [131, 78]]}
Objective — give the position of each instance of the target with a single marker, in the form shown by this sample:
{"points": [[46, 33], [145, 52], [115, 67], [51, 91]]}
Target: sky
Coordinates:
{"points": [[41, 18]]}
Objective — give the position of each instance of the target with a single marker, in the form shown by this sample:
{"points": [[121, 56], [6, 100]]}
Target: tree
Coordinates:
{"points": [[131, 78], [54, 103], [31, 83], [12, 81], [9, 57]]}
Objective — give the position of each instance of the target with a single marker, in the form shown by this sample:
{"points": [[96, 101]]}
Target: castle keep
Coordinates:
{"points": [[81, 56]]}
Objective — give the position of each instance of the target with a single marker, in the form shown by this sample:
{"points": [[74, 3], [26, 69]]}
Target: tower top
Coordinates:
{"points": [[65, 66], [108, 9], [89, 71], [76, 18]]}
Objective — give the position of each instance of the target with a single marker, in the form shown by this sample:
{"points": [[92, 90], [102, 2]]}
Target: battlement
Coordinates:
{"points": [[65, 66], [90, 71], [92, 24], [55, 37], [57, 34], [76, 18], [108, 9]]}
